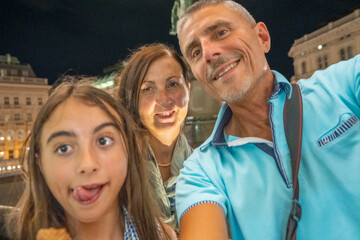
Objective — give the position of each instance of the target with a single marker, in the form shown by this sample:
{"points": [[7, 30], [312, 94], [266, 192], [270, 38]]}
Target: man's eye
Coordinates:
{"points": [[195, 53], [63, 149], [222, 33], [105, 141]]}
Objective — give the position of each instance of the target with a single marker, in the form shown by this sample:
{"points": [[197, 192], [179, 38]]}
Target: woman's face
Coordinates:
{"points": [[164, 98], [83, 160]]}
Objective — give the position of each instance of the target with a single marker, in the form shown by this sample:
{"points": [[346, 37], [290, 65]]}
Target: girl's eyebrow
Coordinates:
{"points": [[72, 134], [106, 124], [59, 134]]}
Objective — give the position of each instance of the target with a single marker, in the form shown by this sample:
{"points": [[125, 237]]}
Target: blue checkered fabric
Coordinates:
{"points": [[130, 228]]}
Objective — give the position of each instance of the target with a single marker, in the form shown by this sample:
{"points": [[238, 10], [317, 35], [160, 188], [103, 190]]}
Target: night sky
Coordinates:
{"points": [[85, 36]]}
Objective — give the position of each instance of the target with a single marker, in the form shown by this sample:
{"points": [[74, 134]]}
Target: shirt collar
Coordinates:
{"points": [[217, 137]]}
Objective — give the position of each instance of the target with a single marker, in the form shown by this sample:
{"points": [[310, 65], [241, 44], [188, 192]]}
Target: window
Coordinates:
{"points": [[6, 100], [40, 101], [14, 72], [17, 116], [11, 154], [28, 101], [1, 136], [325, 61], [20, 135], [2, 72], [25, 73], [349, 52], [16, 101], [322, 62], [342, 54], [10, 135], [303, 67], [29, 117]]}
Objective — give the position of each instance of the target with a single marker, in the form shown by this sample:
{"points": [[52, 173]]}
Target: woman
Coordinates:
{"points": [[154, 87]]}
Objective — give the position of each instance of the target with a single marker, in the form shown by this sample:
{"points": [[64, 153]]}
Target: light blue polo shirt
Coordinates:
{"points": [[250, 178]]}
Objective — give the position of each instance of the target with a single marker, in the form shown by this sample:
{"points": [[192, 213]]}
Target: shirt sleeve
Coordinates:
{"points": [[196, 185]]}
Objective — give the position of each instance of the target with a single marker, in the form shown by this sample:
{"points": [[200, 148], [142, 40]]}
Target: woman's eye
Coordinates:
{"points": [[105, 141], [173, 84], [146, 90], [63, 149]]}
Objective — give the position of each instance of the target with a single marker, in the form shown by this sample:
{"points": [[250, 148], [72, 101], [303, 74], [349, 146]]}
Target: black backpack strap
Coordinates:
{"points": [[293, 116]]}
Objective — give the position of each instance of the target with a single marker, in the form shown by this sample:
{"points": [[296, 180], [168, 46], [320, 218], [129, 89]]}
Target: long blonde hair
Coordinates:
{"points": [[38, 207]]}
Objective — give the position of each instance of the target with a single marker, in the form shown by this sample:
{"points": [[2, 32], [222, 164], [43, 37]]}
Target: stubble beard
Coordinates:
{"points": [[227, 91]]}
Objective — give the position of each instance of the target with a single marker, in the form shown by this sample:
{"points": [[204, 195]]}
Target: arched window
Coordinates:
{"points": [[10, 135]]}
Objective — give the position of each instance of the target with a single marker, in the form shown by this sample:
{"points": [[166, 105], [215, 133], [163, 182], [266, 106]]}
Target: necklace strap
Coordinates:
{"points": [[163, 165]]}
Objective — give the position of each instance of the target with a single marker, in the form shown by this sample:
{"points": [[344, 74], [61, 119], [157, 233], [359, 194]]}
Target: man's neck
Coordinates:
{"points": [[250, 116]]}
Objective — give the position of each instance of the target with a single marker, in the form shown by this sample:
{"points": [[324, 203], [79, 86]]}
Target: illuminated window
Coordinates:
{"points": [[17, 117], [10, 135]]}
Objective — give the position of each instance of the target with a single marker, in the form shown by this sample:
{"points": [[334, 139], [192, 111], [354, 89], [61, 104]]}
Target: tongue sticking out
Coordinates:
{"points": [[83, 194]]}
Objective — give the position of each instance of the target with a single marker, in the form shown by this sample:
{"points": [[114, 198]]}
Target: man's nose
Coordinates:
{"points": [[211, 50], [88, 161]]}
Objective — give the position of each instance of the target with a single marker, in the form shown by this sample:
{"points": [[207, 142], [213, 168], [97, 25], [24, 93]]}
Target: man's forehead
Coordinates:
{"points": [[198, 22]]}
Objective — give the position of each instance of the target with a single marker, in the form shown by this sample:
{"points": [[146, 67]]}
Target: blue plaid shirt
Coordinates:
{"points": [[130, 228]]}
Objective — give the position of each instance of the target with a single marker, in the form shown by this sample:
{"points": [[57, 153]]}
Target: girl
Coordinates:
{"points": [[84, 171], [154, 87]]}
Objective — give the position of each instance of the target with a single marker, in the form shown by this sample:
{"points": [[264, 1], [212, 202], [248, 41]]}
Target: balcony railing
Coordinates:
{"points": [[10, 167]]}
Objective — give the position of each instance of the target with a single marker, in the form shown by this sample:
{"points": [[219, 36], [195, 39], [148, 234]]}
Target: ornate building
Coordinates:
{"points": [[21, 96], [338, 40]]}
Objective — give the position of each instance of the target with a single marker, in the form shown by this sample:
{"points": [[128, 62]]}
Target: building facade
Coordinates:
{"points": [[338, 40], [21, 96]]}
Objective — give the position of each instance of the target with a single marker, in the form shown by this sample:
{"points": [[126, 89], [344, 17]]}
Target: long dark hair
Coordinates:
{"points": [[38, 207]]}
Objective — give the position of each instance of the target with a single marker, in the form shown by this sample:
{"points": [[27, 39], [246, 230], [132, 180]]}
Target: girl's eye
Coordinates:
{"points": [[63, 149], [105, 141]]}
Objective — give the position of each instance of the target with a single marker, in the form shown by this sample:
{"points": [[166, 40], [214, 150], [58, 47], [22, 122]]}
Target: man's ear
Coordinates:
{"points": [[264, 36], [38, 161]]}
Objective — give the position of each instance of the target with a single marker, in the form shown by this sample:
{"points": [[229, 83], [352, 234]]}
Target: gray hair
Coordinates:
{"points": [[206, 3]]}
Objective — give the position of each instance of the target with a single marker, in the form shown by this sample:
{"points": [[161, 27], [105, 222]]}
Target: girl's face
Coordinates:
{"points": [[164, 97], [83, 160]]}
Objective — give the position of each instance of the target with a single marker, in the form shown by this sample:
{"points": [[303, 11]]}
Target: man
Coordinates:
{"points": [[239, 180]]}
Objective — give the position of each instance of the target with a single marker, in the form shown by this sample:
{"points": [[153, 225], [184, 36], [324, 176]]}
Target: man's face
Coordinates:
{"points": [[225, 53]]}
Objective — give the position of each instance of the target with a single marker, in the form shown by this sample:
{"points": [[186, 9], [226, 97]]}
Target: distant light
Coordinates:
{"points": [[9, 168], [13, 167], [8, 138], [302, 53], [320, 46], [1, 153], [1, 138], [3, 168], [18, 166], [196, 128], [28, 148]]}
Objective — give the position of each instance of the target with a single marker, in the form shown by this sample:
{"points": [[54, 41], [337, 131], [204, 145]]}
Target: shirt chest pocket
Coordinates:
{"points": [[347, 123]]}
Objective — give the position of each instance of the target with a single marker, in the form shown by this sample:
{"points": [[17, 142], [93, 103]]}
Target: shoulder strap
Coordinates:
{"points": [[293, 116]]}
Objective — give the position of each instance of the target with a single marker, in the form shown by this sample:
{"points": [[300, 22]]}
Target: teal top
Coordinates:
{"points": [[250, 178]]}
